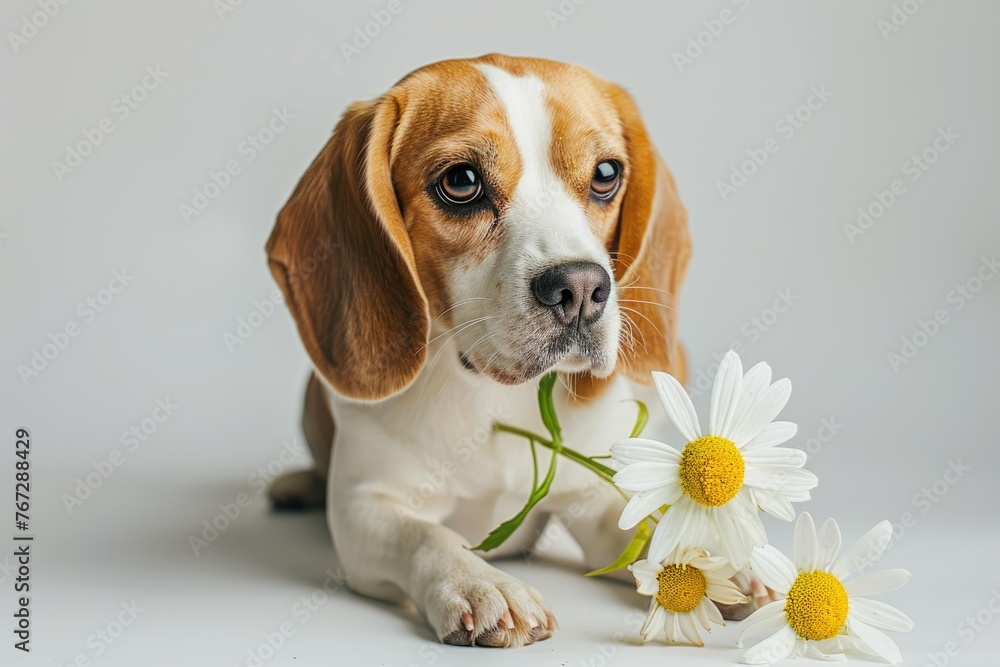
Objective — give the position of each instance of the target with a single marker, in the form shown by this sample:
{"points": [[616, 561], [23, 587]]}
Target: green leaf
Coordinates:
{"points": [[641, 419], [500, 534], [631, 552]]}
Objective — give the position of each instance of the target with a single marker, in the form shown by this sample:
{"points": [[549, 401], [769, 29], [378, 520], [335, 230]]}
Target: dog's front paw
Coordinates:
{"points": [[488, 608]]}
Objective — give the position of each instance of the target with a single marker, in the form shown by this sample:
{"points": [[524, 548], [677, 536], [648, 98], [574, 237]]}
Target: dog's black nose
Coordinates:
{"points": [[576, 292]]}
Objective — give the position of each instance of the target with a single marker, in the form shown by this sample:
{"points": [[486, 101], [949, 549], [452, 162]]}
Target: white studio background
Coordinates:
{"points": [[782, 268]]}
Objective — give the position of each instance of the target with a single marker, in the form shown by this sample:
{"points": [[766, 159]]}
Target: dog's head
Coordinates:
{"points": [[513, 207]]}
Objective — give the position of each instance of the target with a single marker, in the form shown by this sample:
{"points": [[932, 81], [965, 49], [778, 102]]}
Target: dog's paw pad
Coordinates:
{"points": [[494, 638], [461, 637], [298, 490]]}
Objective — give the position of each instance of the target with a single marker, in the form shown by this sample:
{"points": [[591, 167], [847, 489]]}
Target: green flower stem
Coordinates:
{"points": [[599, 469]]}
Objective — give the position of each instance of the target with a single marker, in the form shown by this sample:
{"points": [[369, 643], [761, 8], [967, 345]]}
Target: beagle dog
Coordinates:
{"points": [[483, 222]]}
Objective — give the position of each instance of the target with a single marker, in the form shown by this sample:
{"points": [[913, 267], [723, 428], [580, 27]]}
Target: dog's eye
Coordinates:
{"points": [[461, 184], [607, 176]]}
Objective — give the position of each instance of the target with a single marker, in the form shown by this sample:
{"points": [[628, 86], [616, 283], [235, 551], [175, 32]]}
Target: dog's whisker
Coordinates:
{"points": [[652, 303], [641, 333], [655, 289], [452, 373], [463, 302], [437, 355], [461, 327], [651, 323]]}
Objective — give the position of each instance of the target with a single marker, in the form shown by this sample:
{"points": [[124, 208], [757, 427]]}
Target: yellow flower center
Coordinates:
{"points": [[711, 470], [816, 606], [681, 587]]}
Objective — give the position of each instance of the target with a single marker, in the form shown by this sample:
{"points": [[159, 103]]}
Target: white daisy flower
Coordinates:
{"points": [[683, 588], [715, 487], [821, 616]]}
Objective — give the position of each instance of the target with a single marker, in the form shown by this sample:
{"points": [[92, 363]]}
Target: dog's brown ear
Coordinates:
{"points": [[651, 254], [342, 256]]}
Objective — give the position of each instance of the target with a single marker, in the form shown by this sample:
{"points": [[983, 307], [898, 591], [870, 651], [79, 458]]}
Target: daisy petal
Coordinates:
{"points": [[813, 652], [739, 528], [654, 621], [829, 544], [644, 450], [839, 644], [776, 647], [645, 503], [713, 613], [785, 456], [864, 552], [646, 476], [772, 435], [724, 592], [645, 573], [715, 566], [677, 405], [875, 583], [725, 395], [874, 642], [762, 412], [769, 616], [880, 615], [756, 380], [784, 479], [688, 628], [673, 529], [701, 613], [671, 628], [774, 504], [774, 569], [805, 549]]}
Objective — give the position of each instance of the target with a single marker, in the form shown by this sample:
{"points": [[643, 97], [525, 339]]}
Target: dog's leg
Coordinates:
{"points": [[594, 526], [389, 553], [306, 489]]}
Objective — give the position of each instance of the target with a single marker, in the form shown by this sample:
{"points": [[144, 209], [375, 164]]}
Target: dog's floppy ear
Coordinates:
{"points": [[651, 254], [342, 256]]}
